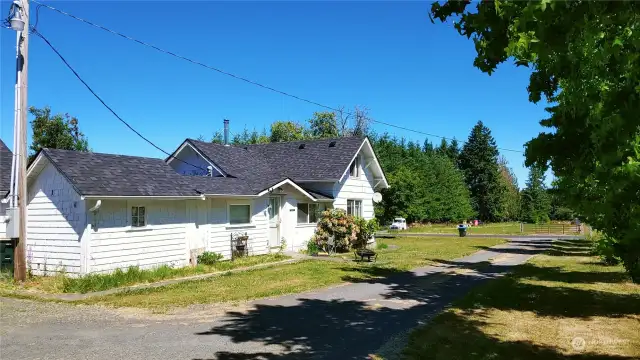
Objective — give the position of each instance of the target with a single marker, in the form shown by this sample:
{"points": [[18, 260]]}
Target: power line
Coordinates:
{"points": [[186, 58], [35, 32], [237, 76]]}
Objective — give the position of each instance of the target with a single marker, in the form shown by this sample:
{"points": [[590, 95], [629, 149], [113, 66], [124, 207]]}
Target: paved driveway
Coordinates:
{"points": [[343, 322]]}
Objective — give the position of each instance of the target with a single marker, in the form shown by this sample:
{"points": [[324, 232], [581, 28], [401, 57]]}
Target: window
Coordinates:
{"points": [[239, 214], [354, 169], [274, 209], [138, 216], [309, 213], [354, 207]]}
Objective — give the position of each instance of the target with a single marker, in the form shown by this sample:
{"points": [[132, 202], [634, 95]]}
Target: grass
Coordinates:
{"points": [[564, 304], [61, 283], [292, 278], [508, 228]]}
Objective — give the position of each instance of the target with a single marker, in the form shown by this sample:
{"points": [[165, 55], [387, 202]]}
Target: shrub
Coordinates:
{"points": [[605, 248], [312, 247], [209, 258], [337, 224], [347, 231], [364, 230]]}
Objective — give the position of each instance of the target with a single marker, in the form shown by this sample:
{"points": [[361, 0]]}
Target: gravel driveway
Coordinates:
{"points": [[343, 322]]}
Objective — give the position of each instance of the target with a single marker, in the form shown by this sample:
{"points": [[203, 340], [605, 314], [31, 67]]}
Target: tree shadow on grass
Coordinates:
{"points": [[456, 336], [560, 301], [557, 247]]}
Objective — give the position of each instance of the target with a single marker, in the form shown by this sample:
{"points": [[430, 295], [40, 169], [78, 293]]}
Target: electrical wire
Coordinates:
{"points": [[186, 58], [37, 33], [239, 77]]}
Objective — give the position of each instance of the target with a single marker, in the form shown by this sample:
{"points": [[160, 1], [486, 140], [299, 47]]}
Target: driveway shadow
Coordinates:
{"points": [[323, 325]]}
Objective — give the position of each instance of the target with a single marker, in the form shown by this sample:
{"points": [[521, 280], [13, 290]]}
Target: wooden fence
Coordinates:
{"points": [[556, 229]]}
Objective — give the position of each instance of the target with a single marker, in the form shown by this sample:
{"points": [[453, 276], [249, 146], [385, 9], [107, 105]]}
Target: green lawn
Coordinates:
{"points": [[402, 254], [561, 305], [509, 228], [96, 282]]}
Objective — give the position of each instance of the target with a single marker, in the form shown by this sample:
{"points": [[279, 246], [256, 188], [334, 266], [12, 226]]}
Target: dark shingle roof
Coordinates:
{"points": [[316, 161], [5, 169], [120, 175], [251, 169]]}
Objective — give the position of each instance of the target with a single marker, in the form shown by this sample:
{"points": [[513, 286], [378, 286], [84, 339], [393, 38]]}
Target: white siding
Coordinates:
{"points": [[3, 225], [360, 188], [188, 155], [115, 244], [220, 230], [55, 224]]}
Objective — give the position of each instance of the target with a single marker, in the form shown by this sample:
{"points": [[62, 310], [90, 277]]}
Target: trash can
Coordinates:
{"points": [[462, 230]]}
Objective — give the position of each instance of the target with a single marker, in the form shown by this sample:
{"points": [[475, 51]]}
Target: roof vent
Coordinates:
{"points": [[332, 144], [301, 146]]}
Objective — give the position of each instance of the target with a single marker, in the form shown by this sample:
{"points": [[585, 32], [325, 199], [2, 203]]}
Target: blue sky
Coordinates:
{"points": [[386, 56]]}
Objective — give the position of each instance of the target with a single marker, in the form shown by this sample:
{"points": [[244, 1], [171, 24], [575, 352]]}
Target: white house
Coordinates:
{"points": [[5, 181], [90, 212]]}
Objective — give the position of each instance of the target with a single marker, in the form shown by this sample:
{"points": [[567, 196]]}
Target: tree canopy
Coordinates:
{"points": [[585, 61], [59, 131]]}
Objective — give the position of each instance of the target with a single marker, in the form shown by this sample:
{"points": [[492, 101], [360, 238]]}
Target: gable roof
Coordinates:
{"points": [[97, 174], [251, 170], [5, 169], [316, 161]]}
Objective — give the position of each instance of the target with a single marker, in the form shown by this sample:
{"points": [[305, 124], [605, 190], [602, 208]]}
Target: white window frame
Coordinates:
{"points": [[355, 165], [240, 204], [354, 207], [308, 213], [133, 226]]}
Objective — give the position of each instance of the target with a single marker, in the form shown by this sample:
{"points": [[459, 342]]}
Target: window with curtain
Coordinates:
{"points": [[354, 207], [354, 169], [239, 214], [138, 216]]}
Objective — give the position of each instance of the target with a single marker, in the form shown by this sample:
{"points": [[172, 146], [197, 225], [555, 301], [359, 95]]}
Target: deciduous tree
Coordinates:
{"points": [[55, 131], [286, 131], [585, 61]]}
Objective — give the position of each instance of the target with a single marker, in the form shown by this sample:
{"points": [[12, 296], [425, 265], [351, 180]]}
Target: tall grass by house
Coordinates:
{"points": [[63, 283]]}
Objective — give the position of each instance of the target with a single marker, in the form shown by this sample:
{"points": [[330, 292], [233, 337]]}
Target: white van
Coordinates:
{"points": [[399, 224]]}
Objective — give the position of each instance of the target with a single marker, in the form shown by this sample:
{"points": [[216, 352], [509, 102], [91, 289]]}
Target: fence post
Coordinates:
{"points": [[562, 229], [521, 227]]}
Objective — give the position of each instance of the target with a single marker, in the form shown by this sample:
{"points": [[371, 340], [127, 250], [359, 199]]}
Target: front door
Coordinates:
{"points": [[274, 222]]}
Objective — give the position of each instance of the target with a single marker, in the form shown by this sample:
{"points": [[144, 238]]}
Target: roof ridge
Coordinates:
{"points": [[102, 154], [280, 142]]}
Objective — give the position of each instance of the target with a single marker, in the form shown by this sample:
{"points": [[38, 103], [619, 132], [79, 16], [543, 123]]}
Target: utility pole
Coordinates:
{"points": [[19, 258]]}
